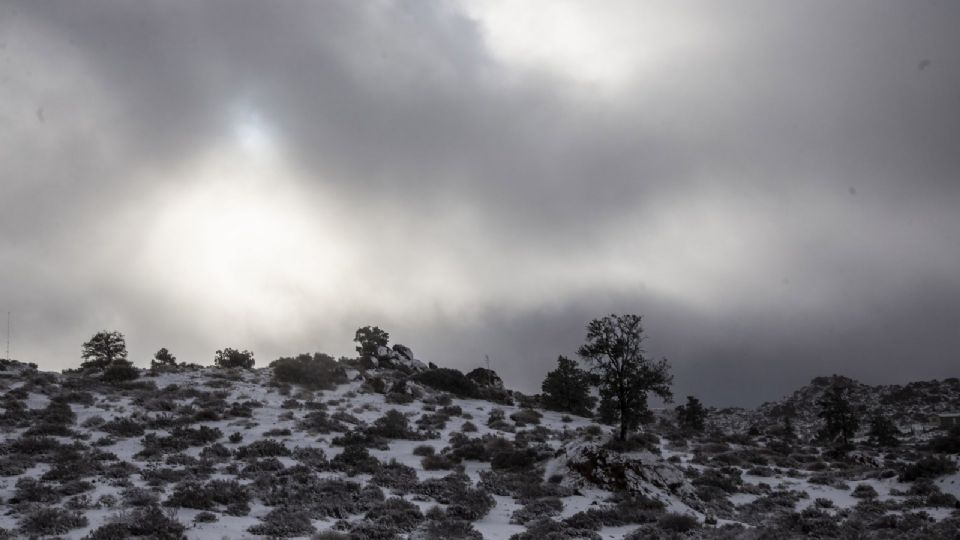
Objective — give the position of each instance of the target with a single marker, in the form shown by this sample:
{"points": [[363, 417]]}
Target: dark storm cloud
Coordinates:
{"points": [[782, 194]]}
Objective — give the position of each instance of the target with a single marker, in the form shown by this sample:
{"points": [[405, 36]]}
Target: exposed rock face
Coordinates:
{"points": [[637, 472], [399, 357]]}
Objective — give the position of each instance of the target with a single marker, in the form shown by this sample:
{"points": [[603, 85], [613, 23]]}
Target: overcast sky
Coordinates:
{"points": [[774, 186]]}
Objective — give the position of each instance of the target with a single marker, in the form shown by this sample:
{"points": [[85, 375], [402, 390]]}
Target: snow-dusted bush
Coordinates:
{"points": [[469, 504], [229, 493], [283, 522], [49, 520], [526, 416], [137, 496], [146, 522], [548, 528], [31, 490], [355, 459], [864, 491], [317, 371], [444, 528], [928, 467], [262, 448], [679, 523], [525, 486], [321, 422], [393, 425], [255, 467], [438, 462], [312, 457], [396, 476], [123, 426], [536, 509], [233, 358], [394, 514], [424, 450], [120, 371]]}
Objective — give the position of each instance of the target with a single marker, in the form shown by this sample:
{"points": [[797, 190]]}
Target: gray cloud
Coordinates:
{"points": [[780, 190]]}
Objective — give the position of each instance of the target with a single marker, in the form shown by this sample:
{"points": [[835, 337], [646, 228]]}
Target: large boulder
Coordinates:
{"points": [[635, 472]]}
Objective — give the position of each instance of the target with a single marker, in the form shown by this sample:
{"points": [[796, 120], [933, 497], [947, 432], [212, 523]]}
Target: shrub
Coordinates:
{"points": [[229, 493], [680, 523], [50, 520], [526, 416], [31, 490], [312, 457], [396, 476], [232, 358], [393, 425], [448, 380], [284, 522], [146, 522], [436, 462], [537, 509], [468, 427], [123, 427], [355, 459], [120, 371], [262, 448], [319, 371], [864, 491], [470, 504], [205, 517], [396, 514], [424, 450], [548, 528], [444, 528], [928, 467], [321, 422]]}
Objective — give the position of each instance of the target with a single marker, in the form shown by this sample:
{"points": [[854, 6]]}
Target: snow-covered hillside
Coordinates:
{"points": [[220, 453]]}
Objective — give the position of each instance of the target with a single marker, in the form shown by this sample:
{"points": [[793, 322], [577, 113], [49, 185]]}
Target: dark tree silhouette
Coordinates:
{"points": [[103, 349], [163, 359], [232, 358], [567, 389], [691, 417], [840, 420], [883, 432], [369, 339], [614, 349]]}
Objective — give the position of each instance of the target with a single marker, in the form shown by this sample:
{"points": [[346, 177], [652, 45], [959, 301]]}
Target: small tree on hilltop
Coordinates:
{"points": [[840, 420], [103, 349], [567, 389], [369, 339], [691, 417], [614, 349], [163, 359], [232, 358]]}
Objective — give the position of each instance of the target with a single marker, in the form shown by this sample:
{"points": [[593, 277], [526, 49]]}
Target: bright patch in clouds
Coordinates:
{"points": [[241, 247], [608, 44]]}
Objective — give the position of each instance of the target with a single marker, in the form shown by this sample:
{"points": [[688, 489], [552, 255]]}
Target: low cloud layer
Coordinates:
{"points": [[773, 187]]}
